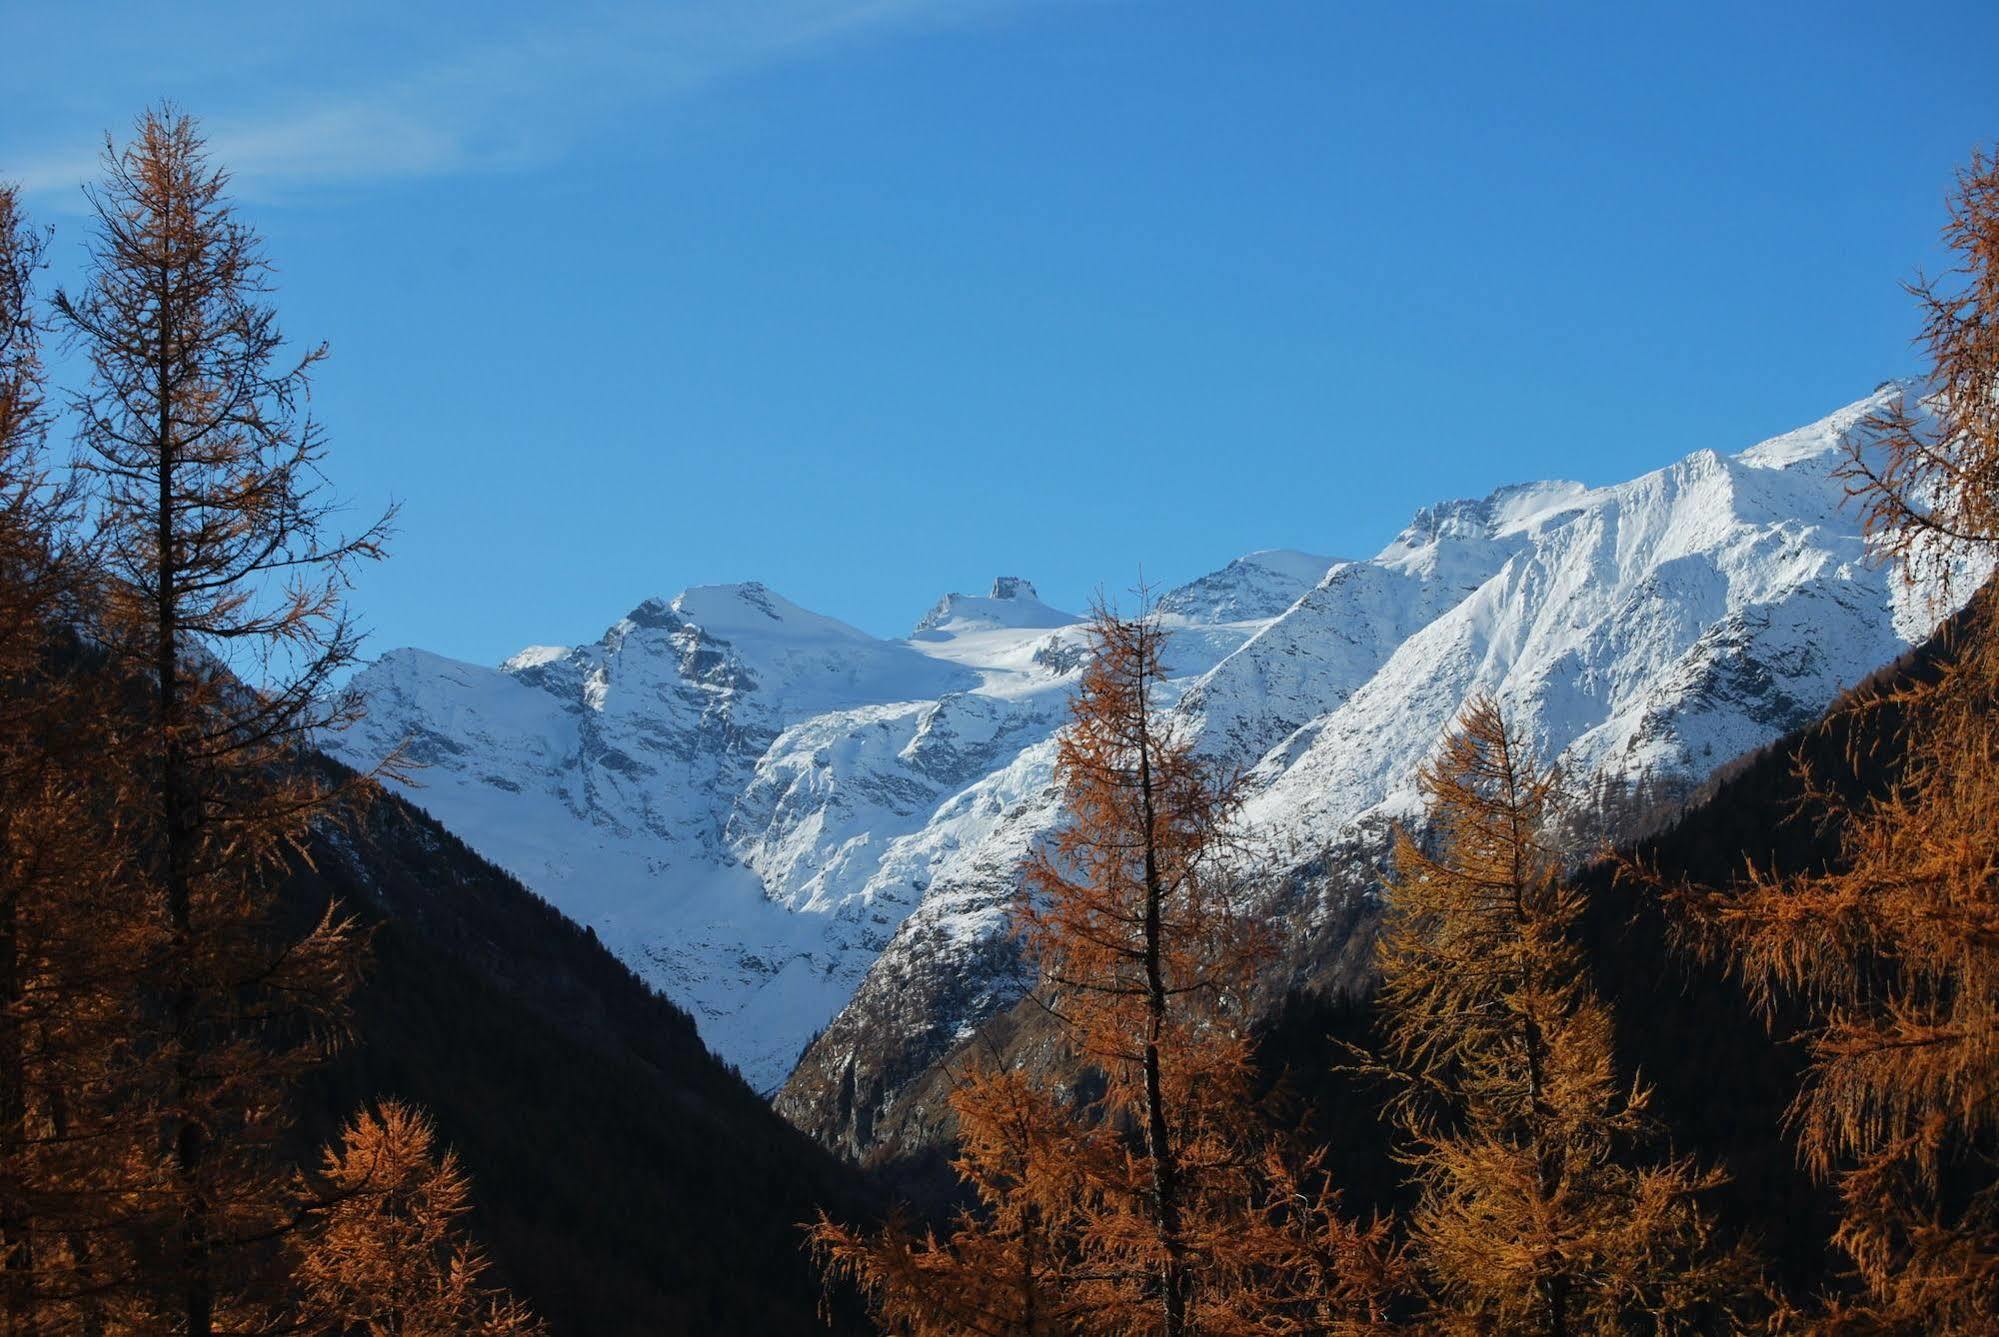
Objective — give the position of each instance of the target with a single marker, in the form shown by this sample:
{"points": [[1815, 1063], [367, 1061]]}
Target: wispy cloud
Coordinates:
{"points": [[506, 102]]}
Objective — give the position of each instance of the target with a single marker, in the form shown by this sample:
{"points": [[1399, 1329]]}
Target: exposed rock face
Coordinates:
{"points": [[793, 827]]}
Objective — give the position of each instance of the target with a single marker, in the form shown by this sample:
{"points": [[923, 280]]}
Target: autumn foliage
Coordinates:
{"points": [[1544, 1206], [1894, 951], [1141, 1188], [173, 639], [1166, 1202], [171, 626], [68, 942], [1010, 1264], [388, 1255]]}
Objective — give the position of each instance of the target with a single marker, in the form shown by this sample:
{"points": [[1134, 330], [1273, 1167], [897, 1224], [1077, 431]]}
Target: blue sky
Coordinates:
{"points": [[873, 299]]}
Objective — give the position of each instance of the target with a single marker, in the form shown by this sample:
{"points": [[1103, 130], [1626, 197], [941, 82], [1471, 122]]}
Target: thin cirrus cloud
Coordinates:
{"points": [[505, 102]]}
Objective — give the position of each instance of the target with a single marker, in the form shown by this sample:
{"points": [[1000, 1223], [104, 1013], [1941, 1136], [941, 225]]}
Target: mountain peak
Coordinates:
{"points": [[1830, 436], [1013, 603], [752, 609], [1256, 585], [730, 602]]}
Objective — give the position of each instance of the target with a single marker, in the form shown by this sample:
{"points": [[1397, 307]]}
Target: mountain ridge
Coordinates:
{"points": [[807, 834]]}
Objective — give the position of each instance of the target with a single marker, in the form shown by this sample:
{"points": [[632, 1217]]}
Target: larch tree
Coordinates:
{"points": [[1895, 951], [388, 1254], [21, 429], [224, 599], [1540, 1210], [1925, 470], [1010, 1265], [1156, 1197], [22, 393], [1896, 954], [1136, 915], [66, 950]]}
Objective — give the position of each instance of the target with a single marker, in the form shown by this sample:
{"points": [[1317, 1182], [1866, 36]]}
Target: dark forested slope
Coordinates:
{"points": [[626, 1181]]}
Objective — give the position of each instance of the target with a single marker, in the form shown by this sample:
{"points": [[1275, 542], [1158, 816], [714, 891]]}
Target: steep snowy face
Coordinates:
{"points": [[745, 799], [1657, 627], [1644, 630]]}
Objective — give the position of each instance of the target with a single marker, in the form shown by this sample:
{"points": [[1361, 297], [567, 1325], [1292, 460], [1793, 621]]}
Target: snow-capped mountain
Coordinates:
{"points": [[742, 798], [791, 826]]}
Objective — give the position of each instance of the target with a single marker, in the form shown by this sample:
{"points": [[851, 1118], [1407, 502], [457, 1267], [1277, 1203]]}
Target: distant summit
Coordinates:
{"points": [[1013, 604]]}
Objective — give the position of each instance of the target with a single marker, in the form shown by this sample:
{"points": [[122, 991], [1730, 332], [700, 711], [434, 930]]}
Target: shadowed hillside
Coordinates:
{"points": [[625, 1180]]}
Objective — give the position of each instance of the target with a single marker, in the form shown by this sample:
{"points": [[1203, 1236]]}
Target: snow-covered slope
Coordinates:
{"points": [[790, 825]]}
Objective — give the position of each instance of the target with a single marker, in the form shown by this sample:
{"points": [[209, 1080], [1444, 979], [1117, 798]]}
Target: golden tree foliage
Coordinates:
{"points": [[1130, 919], [223, 599], [1011, 1265], [1897, 953], [388, 1256], [1536, 1214], [1165, 1204], [67, 948], [170, 630], [1927, 472]]}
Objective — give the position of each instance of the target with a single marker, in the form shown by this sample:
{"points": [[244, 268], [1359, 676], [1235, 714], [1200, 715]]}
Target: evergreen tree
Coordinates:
{"points": [[1538, 1211]]}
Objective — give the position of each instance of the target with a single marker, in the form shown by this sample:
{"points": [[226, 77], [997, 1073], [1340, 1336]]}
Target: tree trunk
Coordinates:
{"points": [[178, 819], [1554, 1289], [1165, 1164], [90, 1312], [16, 1237]]}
